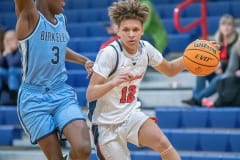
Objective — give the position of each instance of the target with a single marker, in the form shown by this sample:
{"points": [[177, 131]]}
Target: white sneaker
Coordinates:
{"points": [[65, 157]]}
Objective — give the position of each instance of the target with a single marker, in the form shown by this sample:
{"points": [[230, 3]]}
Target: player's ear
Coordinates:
{"points": [[142, 31]]}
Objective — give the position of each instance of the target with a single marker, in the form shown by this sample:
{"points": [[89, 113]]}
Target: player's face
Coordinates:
{"points": [[56, 6], [130, 32]]}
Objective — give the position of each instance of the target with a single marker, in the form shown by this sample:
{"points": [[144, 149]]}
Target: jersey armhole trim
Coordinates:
{"points": [[117, 61], [142, 46], [65, 21], [119, 43]]}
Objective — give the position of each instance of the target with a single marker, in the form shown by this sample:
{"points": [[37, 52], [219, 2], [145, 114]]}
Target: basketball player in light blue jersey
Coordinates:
{"points": [[46, 104]]}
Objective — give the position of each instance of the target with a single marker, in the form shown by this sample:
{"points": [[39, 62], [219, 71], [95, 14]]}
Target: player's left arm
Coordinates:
{"points": [[75, 57], [160, 64], [171, 68]]}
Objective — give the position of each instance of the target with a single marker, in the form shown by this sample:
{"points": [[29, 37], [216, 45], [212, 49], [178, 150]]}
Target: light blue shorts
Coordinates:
{"points": [[44, 110]]}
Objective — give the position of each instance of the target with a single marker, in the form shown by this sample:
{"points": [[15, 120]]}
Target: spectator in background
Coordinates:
{"points": [[228, 87], [111, 29], [154, 28], [233, 68], [226, 36], [3, 71], [13, 59]]}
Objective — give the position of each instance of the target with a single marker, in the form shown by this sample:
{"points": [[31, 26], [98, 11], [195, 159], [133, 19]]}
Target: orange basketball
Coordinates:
{"points": [[201, 57]]}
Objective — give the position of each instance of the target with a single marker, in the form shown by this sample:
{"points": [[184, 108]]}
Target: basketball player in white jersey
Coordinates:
{"points": [[114, 86]]}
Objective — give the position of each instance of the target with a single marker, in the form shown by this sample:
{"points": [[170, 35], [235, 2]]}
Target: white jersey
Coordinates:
{"points": [[115, 106]]}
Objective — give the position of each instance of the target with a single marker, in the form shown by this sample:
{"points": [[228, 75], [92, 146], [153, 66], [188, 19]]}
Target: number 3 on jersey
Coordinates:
{"points": [[128, 94], [55, 50]]}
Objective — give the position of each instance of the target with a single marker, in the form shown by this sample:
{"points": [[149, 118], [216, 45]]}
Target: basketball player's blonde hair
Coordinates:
{"points": [[127, 9]]}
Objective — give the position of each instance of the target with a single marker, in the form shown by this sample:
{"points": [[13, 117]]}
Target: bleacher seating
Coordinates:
{"points": [[78, 78], [178, 42], [8, 20], [192, 119], [98, 4], [216, 9], [194, 10], [7, 135], [217, 141], [77, 30], [234, 142], [81, 4], [229, 120], [201, 128], [165, 122], [9, 115], [81, 95], [198, 117], [10, 128], [213, 23], [184, 139], [86, 44], [6, 6], [234, 7]]}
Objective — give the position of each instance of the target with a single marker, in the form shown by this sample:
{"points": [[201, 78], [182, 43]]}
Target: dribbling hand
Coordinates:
{"points": [[88, 66]]}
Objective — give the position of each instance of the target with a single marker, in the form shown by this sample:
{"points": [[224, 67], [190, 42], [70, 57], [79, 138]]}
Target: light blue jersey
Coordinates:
{"points": [[45, 65], [46, 104]]}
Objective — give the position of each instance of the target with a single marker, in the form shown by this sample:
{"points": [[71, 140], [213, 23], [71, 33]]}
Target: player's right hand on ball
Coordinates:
{"points": [[216, 44]]}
